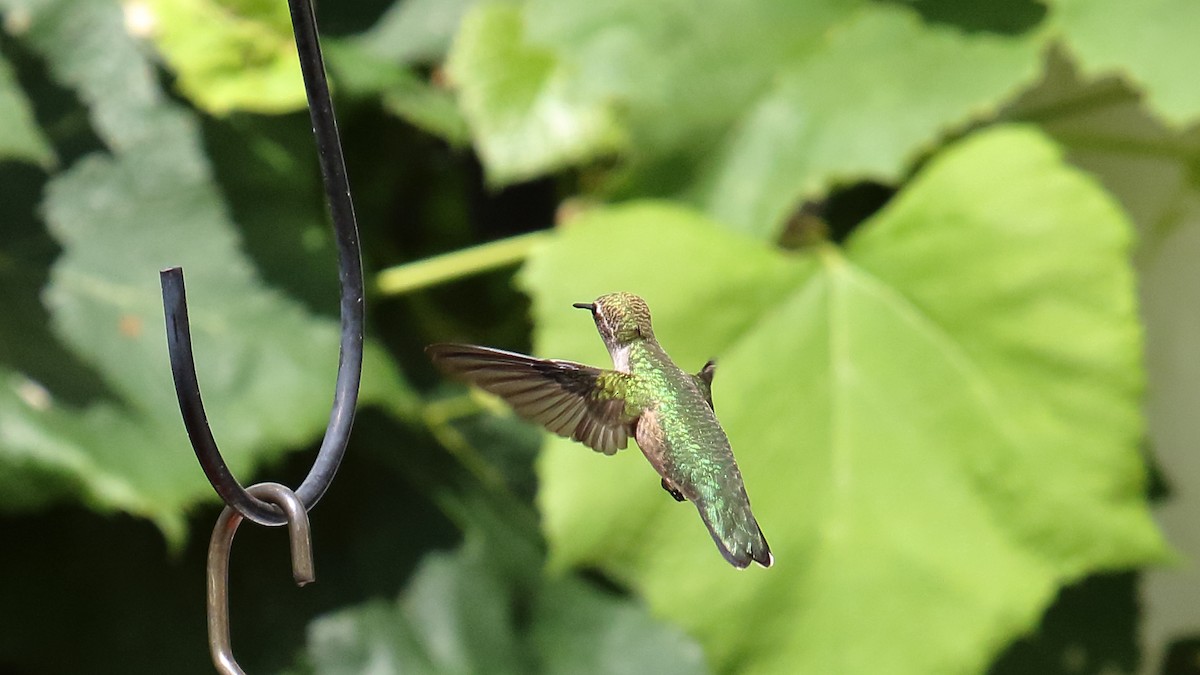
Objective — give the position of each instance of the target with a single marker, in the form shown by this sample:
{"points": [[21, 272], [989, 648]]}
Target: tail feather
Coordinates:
{"points": [[737, 535]]}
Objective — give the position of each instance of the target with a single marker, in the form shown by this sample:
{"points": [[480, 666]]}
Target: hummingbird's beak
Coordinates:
{"points": [[585, 305]]}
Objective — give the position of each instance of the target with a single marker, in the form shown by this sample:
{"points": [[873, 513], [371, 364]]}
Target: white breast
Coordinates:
{"points": [[620, 357]]}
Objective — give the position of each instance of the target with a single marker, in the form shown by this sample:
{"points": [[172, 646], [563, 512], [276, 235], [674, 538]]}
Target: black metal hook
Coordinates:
{"points": [[219, 546], [179, 340]]}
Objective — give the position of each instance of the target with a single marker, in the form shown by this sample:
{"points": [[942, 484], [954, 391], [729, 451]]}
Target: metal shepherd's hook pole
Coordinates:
{"points": [[179, 340], [272, 504]]}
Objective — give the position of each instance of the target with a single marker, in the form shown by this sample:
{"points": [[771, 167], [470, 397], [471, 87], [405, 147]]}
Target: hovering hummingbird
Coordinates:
{"points": [[667, 411]]}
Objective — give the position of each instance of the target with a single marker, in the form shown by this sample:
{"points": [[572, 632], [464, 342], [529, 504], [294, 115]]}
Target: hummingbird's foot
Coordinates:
{"points": [[673, 491]]}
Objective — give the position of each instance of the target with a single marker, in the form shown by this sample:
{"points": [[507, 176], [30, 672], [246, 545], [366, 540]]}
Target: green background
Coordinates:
{"points": [[944, 253]]}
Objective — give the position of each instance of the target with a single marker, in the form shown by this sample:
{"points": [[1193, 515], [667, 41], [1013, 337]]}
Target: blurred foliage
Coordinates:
{"points": [[484, 609], [914, 233], [25, 140]]}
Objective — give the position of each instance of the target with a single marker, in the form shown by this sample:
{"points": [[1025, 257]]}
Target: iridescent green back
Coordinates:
{"points": [[693, 452]]}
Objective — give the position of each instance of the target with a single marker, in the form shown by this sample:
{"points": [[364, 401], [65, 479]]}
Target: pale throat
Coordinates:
{"points": [[620, 357]]}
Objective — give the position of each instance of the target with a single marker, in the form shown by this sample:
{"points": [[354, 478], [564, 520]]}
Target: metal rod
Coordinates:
{"points": [[219, 547], [345, 397]]}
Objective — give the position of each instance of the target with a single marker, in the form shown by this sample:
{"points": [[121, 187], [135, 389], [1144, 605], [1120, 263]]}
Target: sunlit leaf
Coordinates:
{"points": [[228, 54], [938, 425]]}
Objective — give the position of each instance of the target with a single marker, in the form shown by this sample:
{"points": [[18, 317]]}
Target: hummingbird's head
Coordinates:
{"points": [[621, 318]]}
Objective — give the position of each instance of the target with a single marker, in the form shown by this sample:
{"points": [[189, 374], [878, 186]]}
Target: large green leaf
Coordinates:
{"points": [[938, 425], [742, 107], [266, 365], [1151, 43]]}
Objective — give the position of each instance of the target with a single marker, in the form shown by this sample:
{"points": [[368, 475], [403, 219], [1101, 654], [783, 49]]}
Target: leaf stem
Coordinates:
{"points": [[457, 264]]}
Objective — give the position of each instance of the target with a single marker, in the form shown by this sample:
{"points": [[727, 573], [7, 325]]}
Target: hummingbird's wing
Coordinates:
{"points": [[570, 399]]}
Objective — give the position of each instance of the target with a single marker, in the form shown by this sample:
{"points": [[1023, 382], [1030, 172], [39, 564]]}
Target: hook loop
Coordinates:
{"points": [[219, 547], [345, 397]]}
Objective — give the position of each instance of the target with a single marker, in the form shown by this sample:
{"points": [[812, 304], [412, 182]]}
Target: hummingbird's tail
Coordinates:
{"points": [[736, 533]]}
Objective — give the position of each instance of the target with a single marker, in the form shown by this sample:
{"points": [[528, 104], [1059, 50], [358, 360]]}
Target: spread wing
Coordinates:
{"points": [[570, 399]]}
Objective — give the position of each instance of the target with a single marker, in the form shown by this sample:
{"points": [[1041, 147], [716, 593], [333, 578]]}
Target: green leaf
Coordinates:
{"points": [[372, 636], [457, 616], [1151, 43], [266, 365], [744, 108], [453, 618], [44, 453], [21, 138], [579, 629], [527, 114], [938, 425], [228, 54]]}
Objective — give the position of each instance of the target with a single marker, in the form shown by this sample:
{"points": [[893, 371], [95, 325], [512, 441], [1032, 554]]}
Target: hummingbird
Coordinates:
{"points": [[644, 396]]}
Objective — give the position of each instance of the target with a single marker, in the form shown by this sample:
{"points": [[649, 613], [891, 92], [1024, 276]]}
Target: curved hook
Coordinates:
{"points": [[345, 397], [219, 546]]}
